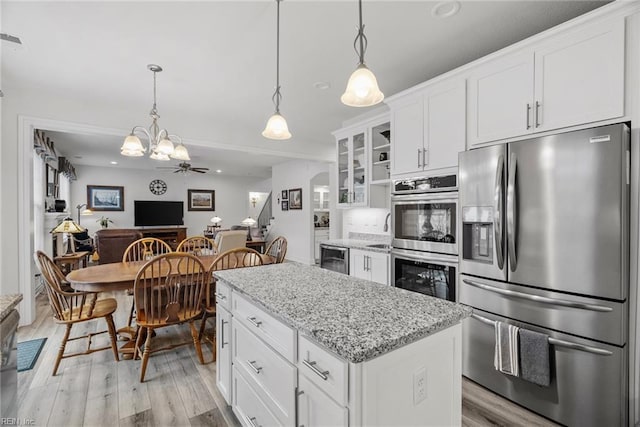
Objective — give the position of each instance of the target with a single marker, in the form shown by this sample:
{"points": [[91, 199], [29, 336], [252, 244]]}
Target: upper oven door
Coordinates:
{"points": [[425, 222]]}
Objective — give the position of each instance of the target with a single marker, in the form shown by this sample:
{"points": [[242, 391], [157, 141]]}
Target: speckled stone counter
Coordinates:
{"points": [[8, 303], [357, 244], [355, 318]]}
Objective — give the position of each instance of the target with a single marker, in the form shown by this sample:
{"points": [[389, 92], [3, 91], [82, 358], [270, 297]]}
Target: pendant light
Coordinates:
{"points": [[362, 88], [277, 125]]}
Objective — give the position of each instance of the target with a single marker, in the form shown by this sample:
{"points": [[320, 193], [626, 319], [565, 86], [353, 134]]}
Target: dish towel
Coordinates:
{"points": [[506, 357], [534, 357]]}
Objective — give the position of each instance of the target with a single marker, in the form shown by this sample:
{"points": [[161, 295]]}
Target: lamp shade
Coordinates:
{"points": [[157, 155], [276, 128], [249, 222], [181, 153], [362, 89], [132, 146], [165, 146], [67, 226], [216, 220]]}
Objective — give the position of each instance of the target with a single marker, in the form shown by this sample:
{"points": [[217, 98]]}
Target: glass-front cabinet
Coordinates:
{"points": [[352, 169], [363, 163]]}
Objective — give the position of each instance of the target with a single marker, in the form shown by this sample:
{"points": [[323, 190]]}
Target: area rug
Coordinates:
{"points": [[28, 353]]}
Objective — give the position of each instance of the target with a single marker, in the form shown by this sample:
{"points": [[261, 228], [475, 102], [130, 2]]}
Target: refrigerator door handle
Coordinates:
{"points": [[511, 213], [538, 298], [497, 213], [555, 341]]}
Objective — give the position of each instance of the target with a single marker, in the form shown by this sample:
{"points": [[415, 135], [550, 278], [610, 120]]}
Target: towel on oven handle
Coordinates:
{"points": [[534, 357], [506, 352]]}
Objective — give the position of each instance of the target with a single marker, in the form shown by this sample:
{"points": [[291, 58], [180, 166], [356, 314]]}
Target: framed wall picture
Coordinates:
{"points": [[201, 200], [105, 198], [51, 182], [295, 198], [285, 205], [285, 195]]}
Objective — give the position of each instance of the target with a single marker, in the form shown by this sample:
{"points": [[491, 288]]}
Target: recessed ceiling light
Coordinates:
{"points": [[113, 163], [445, 9], [218, 171], [322, 85]]}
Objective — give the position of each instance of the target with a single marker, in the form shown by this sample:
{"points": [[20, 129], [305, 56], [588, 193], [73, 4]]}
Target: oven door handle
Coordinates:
{"points": [[430, 259], [538, 298], [497, 212]]}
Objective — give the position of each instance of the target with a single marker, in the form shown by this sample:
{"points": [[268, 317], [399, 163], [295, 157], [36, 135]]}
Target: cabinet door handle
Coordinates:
{"points": [[251, 421], [222, 343], [255, 368], [424, 155], [538, 114], [364, 263], [221, 297], [419, 150], [528, 113], [312, 365], [254, 322]]}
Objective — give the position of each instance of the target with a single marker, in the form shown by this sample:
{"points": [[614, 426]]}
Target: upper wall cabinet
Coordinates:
{"points": [[568, 80], [362, 179], [428, 128]]}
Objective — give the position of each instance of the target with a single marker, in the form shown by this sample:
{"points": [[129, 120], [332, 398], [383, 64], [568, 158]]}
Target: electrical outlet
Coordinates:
{"points": [[419, 385]]}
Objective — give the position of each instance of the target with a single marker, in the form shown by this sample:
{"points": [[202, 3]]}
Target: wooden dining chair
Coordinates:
{"points": [[71, 307], [168, 290], [141, 250], [233, 258], [277, 249], [198, 245]]}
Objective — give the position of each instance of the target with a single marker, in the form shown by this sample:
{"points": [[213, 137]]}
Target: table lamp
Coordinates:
{"points": [[216, 220], [68, 226], [249, 222]]}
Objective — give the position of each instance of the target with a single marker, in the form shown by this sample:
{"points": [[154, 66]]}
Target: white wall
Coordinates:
{"points": [[231, 195], [296, 225]]}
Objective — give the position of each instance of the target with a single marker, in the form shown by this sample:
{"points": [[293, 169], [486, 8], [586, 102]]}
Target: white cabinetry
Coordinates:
{"points": [[315, 408], [369, 265], [428, 128], [571, 79], [361, 180], [223, 341]]}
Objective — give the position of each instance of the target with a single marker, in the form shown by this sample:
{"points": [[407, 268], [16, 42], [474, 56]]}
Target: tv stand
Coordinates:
{"points": [[171, 235]]}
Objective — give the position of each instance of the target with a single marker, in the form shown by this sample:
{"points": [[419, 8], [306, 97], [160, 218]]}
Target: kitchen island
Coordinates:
{"points": [[299, 344]]}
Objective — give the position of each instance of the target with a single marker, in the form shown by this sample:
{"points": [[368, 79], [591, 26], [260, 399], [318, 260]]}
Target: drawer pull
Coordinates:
{"points": [[254, 322], [318, 372], [251, 421], [254, 367], [221, 297]]}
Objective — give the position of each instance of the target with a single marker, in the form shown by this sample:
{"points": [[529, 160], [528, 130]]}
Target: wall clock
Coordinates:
{"points": [[158, 187]]}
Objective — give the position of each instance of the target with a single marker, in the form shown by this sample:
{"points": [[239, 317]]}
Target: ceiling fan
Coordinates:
{"points": [[185, 167]]}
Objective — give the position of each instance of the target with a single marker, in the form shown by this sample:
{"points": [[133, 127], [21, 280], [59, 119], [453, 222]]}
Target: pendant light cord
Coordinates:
{"points": [[360, 37], [277, 96]]}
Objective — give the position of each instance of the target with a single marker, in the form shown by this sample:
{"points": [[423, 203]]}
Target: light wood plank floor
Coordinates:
{"points": [[95, 390]]}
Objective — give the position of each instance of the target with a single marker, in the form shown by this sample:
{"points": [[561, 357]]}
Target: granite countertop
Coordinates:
{"points": [[7, 303], [358, 244], [355, 318]]}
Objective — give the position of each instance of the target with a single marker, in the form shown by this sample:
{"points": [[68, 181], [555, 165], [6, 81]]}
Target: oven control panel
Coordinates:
{"points": [[425, 184]]}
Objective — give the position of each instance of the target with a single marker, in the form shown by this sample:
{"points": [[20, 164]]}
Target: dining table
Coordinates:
{"points": [[119, 276]]}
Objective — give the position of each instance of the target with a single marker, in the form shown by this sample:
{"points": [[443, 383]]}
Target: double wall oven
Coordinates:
{"points": [[424, 255]]}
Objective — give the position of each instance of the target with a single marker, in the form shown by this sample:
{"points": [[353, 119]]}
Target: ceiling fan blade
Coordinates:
{"points": [[199, 171], [165, 167]]}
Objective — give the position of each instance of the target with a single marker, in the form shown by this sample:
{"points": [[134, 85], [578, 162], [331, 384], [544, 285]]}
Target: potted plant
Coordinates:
{"points": [[104, 221]]}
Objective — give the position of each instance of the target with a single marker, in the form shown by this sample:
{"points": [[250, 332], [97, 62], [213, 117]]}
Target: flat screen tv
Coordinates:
{"points": [[154, 213]]}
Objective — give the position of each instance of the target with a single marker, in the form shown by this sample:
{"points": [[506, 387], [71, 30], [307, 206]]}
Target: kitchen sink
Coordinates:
{"points": [[379, 246]]}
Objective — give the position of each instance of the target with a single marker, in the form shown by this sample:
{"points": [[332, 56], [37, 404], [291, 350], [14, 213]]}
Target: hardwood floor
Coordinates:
{"points": [[95, 390]]}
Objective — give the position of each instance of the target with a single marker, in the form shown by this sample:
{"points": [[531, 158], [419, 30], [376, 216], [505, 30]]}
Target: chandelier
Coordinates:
{"points": [[277, 125], [160, 140], [362, 88]]}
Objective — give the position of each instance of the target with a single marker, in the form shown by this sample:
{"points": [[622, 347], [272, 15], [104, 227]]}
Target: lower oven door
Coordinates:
{"points": [[424, 272], [588, 378]]}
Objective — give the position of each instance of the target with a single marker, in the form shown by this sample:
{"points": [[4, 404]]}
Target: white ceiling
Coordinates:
{"points": [[219, 65]]}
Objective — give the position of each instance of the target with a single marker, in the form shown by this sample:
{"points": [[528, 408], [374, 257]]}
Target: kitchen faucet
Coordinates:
{"points": [[386, 225]]}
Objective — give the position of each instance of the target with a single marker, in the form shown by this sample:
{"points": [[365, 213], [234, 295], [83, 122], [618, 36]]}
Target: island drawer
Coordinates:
{"points": [[271, 375], [326, 370], [223, 294], [249, 408], [275, 333]]}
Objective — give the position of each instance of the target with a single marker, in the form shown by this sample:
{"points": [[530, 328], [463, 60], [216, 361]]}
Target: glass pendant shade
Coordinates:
{"points": [[362, 89], [156, 155], [180, 153], [276, 128], [165, 146], [132, 147]]}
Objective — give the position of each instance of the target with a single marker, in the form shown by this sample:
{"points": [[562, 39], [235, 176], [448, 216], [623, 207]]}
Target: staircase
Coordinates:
{"points": [[265, 217]]}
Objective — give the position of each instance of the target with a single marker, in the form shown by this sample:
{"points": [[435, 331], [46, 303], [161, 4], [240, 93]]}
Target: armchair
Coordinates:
{"points": [[112, 242]]}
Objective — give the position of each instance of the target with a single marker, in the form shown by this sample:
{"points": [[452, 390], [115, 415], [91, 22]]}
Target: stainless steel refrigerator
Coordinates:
{"points": [[545, 247]]}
